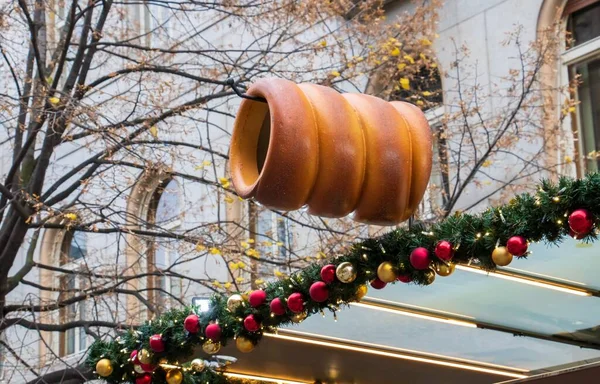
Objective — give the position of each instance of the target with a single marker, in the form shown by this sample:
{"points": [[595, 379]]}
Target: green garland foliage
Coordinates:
{"points": [[542, 216]]}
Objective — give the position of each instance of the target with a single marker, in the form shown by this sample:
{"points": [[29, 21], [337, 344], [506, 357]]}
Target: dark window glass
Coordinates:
{"points": [[584, 25], [589, 109]]}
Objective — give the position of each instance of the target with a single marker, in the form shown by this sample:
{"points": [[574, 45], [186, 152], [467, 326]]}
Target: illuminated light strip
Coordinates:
{"points": [[524, 280], [416, 307], [400, 311], [541, 275], [263, 379], [343, 344]]}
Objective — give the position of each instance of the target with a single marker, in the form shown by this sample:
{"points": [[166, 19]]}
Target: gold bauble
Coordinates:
{"points": [[104, 367], [299, 317], [387, 272], [138, 368], [501, 256], [361, 291], [244, 345], [443, 269], [429, 277], [144, 356], [345, 272], [211, 347], [174, 376], [198, 365], [234, 302]]}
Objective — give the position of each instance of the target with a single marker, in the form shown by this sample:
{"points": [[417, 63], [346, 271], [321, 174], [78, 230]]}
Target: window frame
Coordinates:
{"points": [[79, 284], [570, 57], [155, 281]]}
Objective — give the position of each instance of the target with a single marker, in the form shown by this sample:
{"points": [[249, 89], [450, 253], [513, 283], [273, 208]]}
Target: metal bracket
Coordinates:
{"points": [[231, 82]]}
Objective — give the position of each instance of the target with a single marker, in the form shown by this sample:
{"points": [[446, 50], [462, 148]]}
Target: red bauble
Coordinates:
{"points": [[213, 332], [581, 221], [277, 306], [404, 278], [378, 284], [328, 273], [319, 292], [157, 344], [419, 258], [251, 324], [257, 298], [296, 302], [575, 235], [443, 250], [133, 357], [143, 379], [517, 245], [192, 324], [147, 367]]}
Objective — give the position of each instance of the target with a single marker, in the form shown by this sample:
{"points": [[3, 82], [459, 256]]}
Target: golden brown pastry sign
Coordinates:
{"points": [[336, 153]]}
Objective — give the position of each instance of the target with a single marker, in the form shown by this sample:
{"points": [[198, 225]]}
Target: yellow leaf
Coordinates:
{"points": [[423, 57], [217, 284], [420, 102], [245, 244], [224, 182], [433, 65], [252, 253], [486, 163], [395, 52], [228, 199], [401, 66], [405, 83], [71, 216], [279, 243], [409, 58], [572, 109], [200, 247], [323, 43], [251, 241], [278, 274], [568, 159], [227, 285], [259, 281], [241, 265], [321, 255], [426, 42], [54, 100], [215, 251], [206, 163], [427, 93], [233, 266], [153, 131], [335, 74], [239, 279]]}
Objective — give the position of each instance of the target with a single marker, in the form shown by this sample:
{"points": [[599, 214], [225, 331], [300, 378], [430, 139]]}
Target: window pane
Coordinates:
{"points": [[82, 334], [78, 247], [584, 24], [70, 341], [589, 109], [169, 206]]}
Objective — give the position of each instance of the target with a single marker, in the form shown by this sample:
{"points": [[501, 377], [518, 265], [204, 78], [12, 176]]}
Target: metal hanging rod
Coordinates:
{"points": [[231, 82]]}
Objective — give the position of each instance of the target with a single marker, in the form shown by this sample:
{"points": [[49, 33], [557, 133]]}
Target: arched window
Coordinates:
{"points": [[164, 214], [582, 62], [72, 256]]}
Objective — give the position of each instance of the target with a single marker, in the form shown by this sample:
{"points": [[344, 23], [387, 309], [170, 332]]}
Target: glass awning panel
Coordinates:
{"points": [[417, 335], [468, 301]]}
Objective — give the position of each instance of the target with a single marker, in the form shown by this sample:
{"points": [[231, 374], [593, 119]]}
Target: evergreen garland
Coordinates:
{"points": [[542, 216]]}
